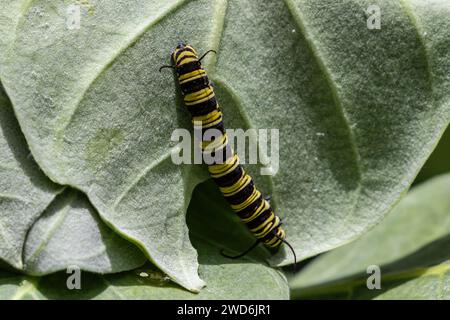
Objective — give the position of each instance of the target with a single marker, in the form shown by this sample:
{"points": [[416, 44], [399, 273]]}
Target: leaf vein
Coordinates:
{"points": [[129, 42], [299, 20]]}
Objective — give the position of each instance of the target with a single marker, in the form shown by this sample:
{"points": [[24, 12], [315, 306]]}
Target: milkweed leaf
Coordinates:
{"points": [[359, 110]]}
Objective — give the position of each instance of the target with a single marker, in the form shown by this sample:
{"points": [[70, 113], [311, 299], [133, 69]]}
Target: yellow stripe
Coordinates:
{"points": [[187, 60], [274, 221], [219, 168], [210, 121], [265, 231], [275, 245], [194, 102], [218, 175], [208, 147], [231, 163], [219, 140], [198, 76], [188, 54], [208, 117], [262, 207], [192, 48], [191, 74], [236, 187], [275, 242], [269, 220], [271, 241], [196, 96], [281, 233], [215, 145], [247, 202], [211, 124]]}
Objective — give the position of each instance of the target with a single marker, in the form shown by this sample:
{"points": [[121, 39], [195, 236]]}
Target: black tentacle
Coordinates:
{"points": [[253, 246], [166, 66], [204, 55], [292, 250]]}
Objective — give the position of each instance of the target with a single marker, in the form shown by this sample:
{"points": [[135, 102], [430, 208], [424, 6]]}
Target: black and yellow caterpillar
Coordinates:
{"points": [[235, 184]]}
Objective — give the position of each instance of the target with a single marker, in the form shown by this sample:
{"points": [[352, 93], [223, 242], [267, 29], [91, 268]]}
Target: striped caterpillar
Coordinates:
{"points": [[235, 184]]}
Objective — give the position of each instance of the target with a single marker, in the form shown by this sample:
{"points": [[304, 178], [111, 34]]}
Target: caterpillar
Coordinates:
{"points": [[234, 183]]}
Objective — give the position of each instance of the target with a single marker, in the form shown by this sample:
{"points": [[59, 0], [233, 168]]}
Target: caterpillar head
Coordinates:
{"points": [[183, 54]]}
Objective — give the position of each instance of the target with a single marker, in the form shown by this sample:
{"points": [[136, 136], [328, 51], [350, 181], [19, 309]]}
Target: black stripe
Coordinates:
{"points": [[260, 219], [270, 235], [226, 154], [203, 108], [188, 67], [211, 135], [187, 57], [195, 85], [219, 126], [242, 195], [183, 50], [230, 178], [250, 209]]}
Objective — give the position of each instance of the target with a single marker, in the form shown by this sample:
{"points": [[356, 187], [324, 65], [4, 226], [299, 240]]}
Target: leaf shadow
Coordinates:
{"points": [[15, 139], [213, 227]]}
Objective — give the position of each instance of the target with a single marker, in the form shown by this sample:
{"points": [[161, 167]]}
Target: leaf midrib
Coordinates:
{"points": [[418, 29], [142, 30]]}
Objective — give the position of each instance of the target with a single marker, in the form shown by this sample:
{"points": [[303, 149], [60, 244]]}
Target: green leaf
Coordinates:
{"points": [[226, 280], [358, 110], [70, 233], [43, 230], [9, 18], [210, 219], [25, 191], [411, 246], [439, 161]]}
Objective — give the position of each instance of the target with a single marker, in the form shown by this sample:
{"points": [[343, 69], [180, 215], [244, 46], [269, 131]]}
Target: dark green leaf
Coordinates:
{"points": [[411, 246]]}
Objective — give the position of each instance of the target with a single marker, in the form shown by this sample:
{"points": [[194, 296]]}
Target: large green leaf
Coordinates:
{"points": [[411, 246], [359, 110], [25, 191], [237, 280], [209, 218], [227, 279], [43, 232], [70, 233]]}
